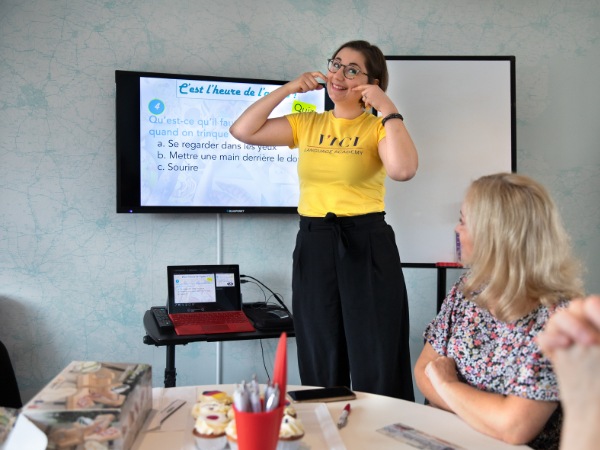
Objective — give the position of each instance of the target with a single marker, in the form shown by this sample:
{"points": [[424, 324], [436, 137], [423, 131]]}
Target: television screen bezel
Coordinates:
{"points": [[128, 179]]}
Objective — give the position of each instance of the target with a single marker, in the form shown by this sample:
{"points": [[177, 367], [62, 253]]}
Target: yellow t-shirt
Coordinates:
{"points": [[338, 164]]}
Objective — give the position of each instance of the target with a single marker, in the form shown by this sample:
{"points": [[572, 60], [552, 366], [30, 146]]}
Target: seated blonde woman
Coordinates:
{"points": [[480, 359]]}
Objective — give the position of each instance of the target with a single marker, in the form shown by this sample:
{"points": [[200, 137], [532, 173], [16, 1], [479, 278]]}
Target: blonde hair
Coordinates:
{"points": [[521, 252]]}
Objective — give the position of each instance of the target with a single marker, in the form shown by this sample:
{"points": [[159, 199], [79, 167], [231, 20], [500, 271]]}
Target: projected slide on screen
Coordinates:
{"points": [[188, 157]]}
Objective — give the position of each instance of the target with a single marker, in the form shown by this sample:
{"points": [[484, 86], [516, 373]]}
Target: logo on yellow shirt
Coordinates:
{"points": [[348, 141]]}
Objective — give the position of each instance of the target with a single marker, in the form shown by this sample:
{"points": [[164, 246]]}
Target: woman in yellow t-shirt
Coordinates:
{"points": [[349, 297]]}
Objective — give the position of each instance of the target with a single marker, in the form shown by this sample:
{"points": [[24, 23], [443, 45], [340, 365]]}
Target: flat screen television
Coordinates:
{"points": [[175, 153]]}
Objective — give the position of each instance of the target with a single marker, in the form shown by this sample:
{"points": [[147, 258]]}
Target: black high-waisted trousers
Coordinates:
{"points": [[350, 306]]}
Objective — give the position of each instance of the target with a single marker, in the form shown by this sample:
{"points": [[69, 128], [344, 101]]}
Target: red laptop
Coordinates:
{"points": [[206, 300]]}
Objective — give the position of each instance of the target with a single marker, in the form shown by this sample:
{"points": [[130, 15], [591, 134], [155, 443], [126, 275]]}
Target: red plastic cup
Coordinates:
{"points": [[258, 431]]}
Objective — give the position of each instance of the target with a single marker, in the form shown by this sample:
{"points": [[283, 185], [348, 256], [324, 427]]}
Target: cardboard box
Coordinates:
{"points": [[97, 405]]}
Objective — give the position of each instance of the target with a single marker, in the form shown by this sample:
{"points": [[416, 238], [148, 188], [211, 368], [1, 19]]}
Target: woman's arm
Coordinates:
{"points": [[577, 369], [427, 355], [571, 340], [510, 418], [396, 150], [254, 125], [578, 323]]}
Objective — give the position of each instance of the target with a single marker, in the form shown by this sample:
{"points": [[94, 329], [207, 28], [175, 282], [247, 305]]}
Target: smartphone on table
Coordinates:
{"points": [[328, 394]]}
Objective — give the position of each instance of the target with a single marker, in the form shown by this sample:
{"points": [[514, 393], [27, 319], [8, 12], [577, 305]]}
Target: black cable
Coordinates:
{"points": [[275, 295], [262, 351], [260, 287]]}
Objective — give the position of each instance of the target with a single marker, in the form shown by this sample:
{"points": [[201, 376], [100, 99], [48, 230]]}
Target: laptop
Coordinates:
{"points": [[206, 299]]}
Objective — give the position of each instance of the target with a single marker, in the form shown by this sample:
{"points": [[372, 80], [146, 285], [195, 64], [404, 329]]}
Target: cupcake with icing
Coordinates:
{"points": [[215, 396], [289, 410], [232, 438], [290, 433], [206, 408], [209, 431], [231, 413]]}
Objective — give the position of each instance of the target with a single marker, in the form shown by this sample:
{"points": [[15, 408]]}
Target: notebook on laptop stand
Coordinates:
{"points": [[206, 299]]}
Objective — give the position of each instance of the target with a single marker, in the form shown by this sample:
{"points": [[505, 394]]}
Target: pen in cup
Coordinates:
{"points": [[343, 420], [255, 396], [246, 397], [241, 398], [272, 397]]}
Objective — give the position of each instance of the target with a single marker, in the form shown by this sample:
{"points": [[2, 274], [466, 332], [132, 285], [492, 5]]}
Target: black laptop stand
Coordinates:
{"points": [[170, 340]]}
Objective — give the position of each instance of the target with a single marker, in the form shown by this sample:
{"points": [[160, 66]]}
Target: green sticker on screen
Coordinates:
{"points": [[299, 106]]}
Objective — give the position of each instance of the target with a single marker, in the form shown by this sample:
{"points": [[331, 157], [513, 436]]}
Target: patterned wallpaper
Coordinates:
{"points": [[76, 278]]}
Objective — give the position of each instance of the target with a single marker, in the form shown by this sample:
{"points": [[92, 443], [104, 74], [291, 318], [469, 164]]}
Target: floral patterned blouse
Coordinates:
{"points": [[496, 356]]}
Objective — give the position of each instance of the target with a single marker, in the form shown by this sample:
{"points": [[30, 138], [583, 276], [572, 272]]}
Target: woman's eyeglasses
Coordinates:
{"points": [[350, 71]]}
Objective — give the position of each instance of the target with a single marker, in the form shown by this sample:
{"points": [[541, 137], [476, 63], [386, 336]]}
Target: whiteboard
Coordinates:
{"points": [[460, 112]]}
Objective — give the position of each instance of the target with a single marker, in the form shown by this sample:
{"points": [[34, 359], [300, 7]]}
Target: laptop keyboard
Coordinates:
{"points": [[218, 317]]}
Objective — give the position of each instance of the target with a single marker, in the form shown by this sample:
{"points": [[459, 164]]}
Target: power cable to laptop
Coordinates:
{"points": [[274, 294], [277, 297], [262, 290]]}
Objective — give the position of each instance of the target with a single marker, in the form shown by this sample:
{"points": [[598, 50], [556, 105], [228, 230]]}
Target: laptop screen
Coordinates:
{"points": [[204, 288]]}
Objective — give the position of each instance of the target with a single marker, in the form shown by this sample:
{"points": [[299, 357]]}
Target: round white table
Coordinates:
{"points": [[369, 413]]}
